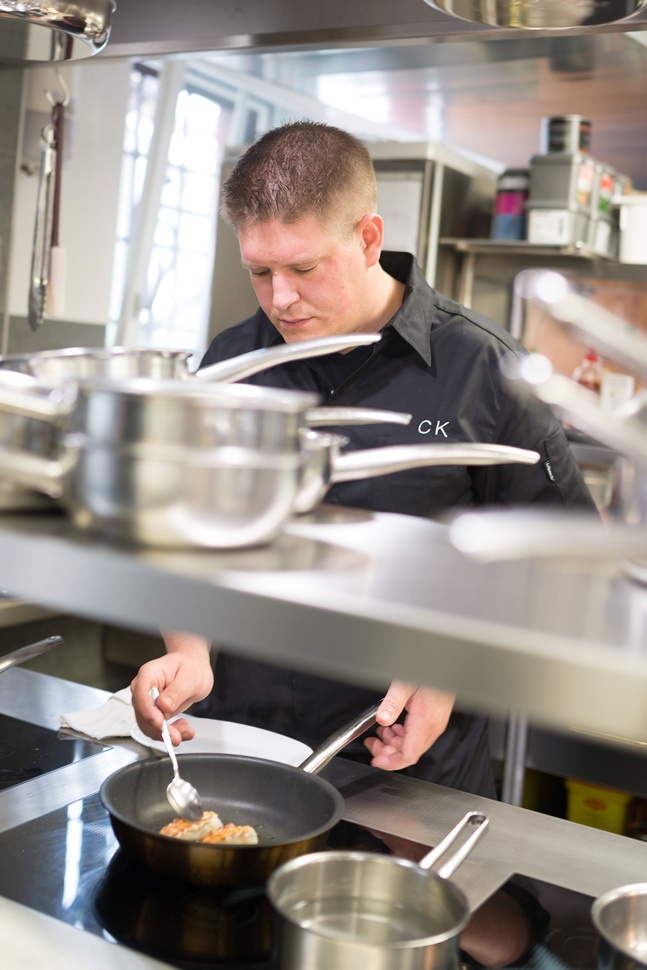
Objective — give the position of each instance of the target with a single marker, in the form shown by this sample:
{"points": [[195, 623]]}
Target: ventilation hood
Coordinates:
{"points": [[53, 30], [540, 14]]}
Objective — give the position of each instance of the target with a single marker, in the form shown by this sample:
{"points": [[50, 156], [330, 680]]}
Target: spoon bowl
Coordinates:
{"points": [[182, 796]]}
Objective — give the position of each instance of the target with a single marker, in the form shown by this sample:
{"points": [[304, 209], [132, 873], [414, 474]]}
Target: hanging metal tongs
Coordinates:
{"points": [[46, 242], [40, 257]]}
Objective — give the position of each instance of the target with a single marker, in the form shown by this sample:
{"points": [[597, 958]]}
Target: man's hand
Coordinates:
{"points": [[182, 677], [401, 745]]}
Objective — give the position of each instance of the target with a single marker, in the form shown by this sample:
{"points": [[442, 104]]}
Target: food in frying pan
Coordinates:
{"points": [[234, 834], [210, 829]]}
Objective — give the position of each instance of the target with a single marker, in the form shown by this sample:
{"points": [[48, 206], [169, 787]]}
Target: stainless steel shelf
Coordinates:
{"points": [[520, 247], [371, 596]]}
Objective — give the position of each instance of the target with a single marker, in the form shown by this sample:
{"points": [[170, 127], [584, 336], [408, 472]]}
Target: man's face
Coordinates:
{"points": [[310, 281]]}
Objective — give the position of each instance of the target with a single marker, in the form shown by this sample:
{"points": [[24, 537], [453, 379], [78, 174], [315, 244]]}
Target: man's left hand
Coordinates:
{"points": [[401, 745]]}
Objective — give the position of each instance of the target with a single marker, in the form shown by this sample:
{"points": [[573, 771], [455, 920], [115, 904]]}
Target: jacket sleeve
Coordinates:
{"points": [[555, 479]]}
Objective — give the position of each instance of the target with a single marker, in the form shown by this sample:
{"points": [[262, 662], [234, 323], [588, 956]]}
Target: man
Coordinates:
{"points": [[302, 202]]}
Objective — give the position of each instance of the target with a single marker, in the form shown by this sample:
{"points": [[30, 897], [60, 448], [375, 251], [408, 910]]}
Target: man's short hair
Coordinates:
{"points": [[299, 169]]}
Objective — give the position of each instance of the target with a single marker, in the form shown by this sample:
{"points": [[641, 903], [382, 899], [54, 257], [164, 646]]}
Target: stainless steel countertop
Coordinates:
{"points": [[369, 596], [518, 841]]}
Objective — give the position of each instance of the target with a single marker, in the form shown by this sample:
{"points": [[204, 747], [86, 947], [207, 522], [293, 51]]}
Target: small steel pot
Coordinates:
{"points": [[620, 917], [54, 367], [348, 909], [169, 463]]}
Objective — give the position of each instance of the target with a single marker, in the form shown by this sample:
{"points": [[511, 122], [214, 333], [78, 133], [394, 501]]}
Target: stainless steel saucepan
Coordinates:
{"points": [[168, 463], [54, 367], [620, 917], [347, 909], [325, 464]]}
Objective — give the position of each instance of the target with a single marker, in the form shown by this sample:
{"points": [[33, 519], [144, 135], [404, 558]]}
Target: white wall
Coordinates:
{"points": [[89, 185]]}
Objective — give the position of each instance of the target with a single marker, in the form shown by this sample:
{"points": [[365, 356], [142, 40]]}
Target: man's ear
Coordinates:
{"points": [[371, 231]]}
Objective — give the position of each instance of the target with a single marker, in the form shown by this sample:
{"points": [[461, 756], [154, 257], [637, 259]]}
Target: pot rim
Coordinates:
{"points": [[101, 353], [597, 913], [233, 396], [353, 856]]}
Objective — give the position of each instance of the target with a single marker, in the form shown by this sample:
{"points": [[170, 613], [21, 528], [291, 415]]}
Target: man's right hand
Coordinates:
{"points": [[182, 677]]}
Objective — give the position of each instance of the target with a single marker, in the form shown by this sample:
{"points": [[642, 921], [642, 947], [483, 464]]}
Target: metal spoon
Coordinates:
{"points": [[182, 796]]}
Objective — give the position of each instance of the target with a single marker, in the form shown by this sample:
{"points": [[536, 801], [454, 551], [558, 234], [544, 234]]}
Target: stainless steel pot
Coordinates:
{"points": [[54, 367], [620, 917], [325, 464], [169, 463], [18, 434], [346, 910]]}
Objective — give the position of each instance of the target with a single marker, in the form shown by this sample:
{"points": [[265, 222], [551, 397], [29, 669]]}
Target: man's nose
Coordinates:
{"points": [[284, 292]]}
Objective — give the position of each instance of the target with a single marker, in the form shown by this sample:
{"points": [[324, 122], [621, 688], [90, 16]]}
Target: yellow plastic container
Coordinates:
{"points": [[602, 808]]}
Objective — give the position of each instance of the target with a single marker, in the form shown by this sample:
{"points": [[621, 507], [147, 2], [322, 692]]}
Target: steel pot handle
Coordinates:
{"points": [[334, 744], [533, 375], [18, 396], [34, 471], [324, 416], [369, 462], [237, 368], [28, 653], [599, 328], [473, 825], [497, 535]]}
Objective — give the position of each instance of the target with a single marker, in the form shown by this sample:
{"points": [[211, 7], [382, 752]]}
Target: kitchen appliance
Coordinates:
{"points": [[29, 750], [105, 892]]}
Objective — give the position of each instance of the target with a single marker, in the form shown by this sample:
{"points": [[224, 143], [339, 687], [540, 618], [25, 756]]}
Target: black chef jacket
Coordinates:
{"points": [[439, 362]]}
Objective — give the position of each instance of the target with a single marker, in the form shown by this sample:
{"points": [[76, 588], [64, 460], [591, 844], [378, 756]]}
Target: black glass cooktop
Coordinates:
{"points": [[92, 884], [27, 750]]}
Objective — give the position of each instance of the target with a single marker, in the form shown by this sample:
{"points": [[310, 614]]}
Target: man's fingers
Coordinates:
{"points": [[394, 700]]}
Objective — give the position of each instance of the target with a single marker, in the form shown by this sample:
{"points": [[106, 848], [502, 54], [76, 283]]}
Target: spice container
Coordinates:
{"points": [[560, 199], [509, 220], [565, 133]]}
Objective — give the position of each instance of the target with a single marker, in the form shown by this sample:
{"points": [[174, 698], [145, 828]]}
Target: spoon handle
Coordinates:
{"points": [[166, 737]]}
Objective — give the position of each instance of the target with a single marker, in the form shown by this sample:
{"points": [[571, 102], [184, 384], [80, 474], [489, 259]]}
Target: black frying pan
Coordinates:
{"points": [[292, 810]]}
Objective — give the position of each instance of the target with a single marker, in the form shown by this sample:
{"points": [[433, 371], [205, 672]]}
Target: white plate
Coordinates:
{"points": [[227, 737]]}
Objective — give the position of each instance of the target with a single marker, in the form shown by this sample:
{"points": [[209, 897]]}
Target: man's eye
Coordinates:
{"points": [[304, 272], [257, 273]]}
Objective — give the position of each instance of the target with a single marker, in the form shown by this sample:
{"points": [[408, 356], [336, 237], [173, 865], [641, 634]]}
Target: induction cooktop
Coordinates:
{"points": [[28, 750], [92, 884]]}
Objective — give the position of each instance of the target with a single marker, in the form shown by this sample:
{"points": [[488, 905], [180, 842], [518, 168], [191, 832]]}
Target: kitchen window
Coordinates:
{"points": [[174, 138]]}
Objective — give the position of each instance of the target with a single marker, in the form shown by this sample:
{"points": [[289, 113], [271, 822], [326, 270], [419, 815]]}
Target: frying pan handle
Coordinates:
{"points": [[334, 744], [28, 653]]}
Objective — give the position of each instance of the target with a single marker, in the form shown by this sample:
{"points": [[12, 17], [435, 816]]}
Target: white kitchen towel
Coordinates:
{"points": [[113, 719]]}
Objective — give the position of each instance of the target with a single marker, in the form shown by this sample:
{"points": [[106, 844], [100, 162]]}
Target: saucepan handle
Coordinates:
{"points": [[370, 462], [28, 653], [244, 365], [456, 845]]}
